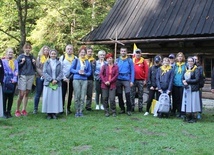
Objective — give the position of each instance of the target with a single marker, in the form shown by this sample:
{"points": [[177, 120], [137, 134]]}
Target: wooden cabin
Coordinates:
{"points": [[161, 27]]}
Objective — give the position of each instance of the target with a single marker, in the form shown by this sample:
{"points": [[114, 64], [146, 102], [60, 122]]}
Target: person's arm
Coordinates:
{"points": [[132, 70], [158, 80], [146, 70], [38, 69], [88, 70], [1, 71], [45, 72]]}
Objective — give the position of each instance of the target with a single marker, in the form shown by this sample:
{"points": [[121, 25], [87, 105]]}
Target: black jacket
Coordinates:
{"points": [[1, 72], [151, 81], [193, 82]]}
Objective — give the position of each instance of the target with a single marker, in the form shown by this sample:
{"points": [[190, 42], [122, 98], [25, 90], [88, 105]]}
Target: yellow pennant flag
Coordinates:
{"points": [[134, 48]]}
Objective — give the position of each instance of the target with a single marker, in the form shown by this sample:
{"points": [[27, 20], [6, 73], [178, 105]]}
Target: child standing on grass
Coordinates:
{"points": [[27, 66], [52, 91], [164, 79]]}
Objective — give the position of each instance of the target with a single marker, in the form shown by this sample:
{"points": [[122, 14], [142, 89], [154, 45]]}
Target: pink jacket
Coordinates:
{"points": [[104, 75]]}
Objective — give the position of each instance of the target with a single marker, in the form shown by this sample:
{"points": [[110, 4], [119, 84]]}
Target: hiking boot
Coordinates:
{"points": [[88, 109], [114, 115], [129, 113], [140, 109], [77, 114], [122, 112], [132, 109], [107, 114], [35, 111], [9, 115]]}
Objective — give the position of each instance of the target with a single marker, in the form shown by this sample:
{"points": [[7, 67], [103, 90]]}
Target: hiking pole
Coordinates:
{"points": [[66, 110]]}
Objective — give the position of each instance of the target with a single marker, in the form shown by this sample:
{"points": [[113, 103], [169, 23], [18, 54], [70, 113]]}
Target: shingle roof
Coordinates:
{"points": [[139, 19]]}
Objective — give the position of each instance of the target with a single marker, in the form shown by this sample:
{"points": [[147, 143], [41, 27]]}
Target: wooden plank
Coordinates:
{"points": [[203, 17], [140, 16], [107, 29], [196, 14], [132, 23], [146, 21], [166, 17], [169, 26], [156, 14], [185, 18], [179, 18]]}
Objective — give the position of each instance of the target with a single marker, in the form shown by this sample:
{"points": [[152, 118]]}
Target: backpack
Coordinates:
{"points": [[70, 77], [202, 77], [164, 103]]}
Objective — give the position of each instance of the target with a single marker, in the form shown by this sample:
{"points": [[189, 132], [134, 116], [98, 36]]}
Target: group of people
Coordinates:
{"points": [[75, 76]]}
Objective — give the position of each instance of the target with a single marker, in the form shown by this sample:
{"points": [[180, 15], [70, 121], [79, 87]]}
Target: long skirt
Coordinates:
{"points": [[191, 100], [1, 102], [52, 100]]}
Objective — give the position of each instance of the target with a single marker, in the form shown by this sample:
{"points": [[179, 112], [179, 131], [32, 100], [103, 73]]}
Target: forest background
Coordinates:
{"points": [[49, 22]]}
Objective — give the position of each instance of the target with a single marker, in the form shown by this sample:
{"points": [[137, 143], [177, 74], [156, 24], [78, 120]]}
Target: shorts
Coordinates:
{"points": [[25, 82]]}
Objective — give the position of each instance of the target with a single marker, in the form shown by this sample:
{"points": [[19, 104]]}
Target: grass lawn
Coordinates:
{"points": [[96, 134]]}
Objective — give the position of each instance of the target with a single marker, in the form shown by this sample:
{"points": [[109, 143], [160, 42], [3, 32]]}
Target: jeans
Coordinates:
{"points": [[39, 89]]}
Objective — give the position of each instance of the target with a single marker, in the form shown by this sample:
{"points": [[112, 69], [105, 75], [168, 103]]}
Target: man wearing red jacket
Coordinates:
{"points": [[141, 74]]}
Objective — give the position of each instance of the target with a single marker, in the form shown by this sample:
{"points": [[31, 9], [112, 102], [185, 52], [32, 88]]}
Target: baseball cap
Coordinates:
{"points": [[138, 51], [172, 56]]}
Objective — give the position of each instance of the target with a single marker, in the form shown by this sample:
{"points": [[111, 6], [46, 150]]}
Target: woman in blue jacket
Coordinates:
{"points": [[81, 70]]}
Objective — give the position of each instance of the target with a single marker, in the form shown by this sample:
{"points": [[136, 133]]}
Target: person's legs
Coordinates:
{"points": [[39, 88], [64, 90], [140, 94], [5, 98], [89, 94], [70, 95], [112, 101], [77, 92], [127, 87], [132, 95], [10, 103], [120, 96], [83, 93], [150, 98], [105, 95], [97, 93]]}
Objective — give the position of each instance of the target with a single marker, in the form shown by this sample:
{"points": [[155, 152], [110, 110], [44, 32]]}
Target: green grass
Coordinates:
{"points": [[96, 134]]}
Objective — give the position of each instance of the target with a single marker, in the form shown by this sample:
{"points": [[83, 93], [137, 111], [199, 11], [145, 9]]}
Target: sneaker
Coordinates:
{"points": [[80, 114], [24, 113], [97, 107], [155, 115], [77, 114], [199, 116], [17, 113], [101, 107], [146, 113]]}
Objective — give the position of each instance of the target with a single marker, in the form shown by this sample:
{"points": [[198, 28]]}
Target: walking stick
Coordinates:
{"points": [[66, 110]]}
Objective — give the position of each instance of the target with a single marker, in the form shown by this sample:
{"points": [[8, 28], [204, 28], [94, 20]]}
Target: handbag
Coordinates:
{"points": [[8, 86]]}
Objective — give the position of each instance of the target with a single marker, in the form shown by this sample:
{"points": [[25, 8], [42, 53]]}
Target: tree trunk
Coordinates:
{"points": [[22, 15]]}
